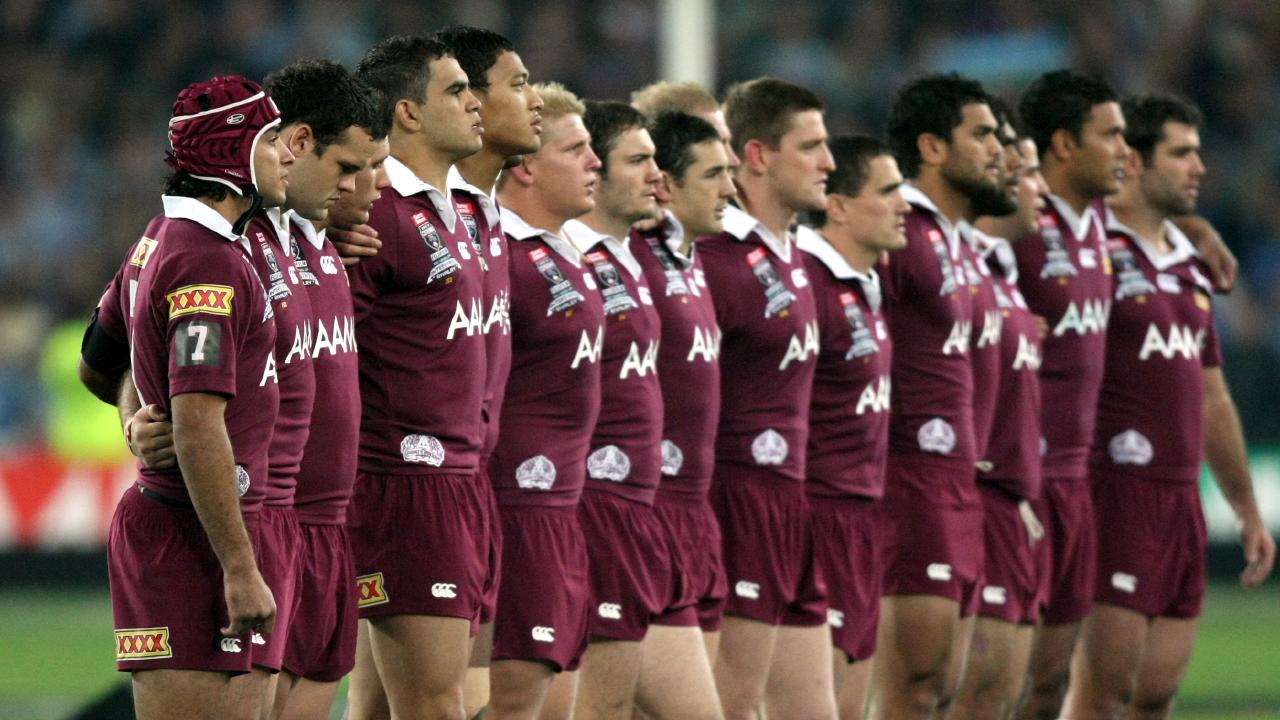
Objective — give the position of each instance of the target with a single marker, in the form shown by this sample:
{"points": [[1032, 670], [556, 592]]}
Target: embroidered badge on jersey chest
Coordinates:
{"points": [[443, 264], [563, 294], [777, 296], [864, 343], [616, 298], [676, 286]]}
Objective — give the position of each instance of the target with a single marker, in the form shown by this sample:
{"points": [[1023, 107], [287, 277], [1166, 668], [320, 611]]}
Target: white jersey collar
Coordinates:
{"points": [[915, 196], [184, 208], [309, 231], [740, 225], [516, 227], [1078, 223], [988, 246], [486, 200], [584, 238], [407, 184], [1182, 250]]}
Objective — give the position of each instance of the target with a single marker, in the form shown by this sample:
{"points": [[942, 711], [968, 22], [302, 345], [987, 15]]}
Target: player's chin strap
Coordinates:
{"points": [[255, 205]]}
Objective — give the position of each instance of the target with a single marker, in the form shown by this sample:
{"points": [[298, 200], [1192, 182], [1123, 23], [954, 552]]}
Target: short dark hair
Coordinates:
{"points": [[1061, 100], [180, 183], [1145, 116], [399, 68], [674, 135], [761, 109], [326, 96], [476, 49], [606, 120], [853, 155], [933, 104]]}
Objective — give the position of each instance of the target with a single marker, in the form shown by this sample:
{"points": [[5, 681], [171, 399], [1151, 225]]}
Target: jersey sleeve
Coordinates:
{"points": [[895, 273], [723, 277], [1211, 353], [208, 308], [373, 276]]}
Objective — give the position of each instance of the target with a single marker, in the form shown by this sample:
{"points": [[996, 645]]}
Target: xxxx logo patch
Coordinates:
{"points": [[142, 252], [212, 299], [143, 644], [370, 590]]}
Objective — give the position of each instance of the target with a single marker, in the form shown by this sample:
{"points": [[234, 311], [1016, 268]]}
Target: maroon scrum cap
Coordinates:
{"points": [[215, 127]]}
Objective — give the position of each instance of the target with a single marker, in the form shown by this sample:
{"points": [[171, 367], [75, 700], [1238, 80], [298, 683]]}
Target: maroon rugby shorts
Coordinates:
{"points": [[278, 558], [628, 563], [1010, 588], [846, 542], [322, 646], [693, 536], [1066, 560]]}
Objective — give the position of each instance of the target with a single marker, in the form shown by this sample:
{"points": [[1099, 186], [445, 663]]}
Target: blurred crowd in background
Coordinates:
{"points": [[86, 88]]}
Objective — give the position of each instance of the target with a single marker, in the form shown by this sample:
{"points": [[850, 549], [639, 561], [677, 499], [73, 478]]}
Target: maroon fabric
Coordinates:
{"points": [[849, 412], [328, 471], [1012, 460], [625, 457], [421, 335], [1011, 588], [553, 391], [628, 565], [1066, 560], [279, 560], [294, 328], [1151, 545], [202, 324], [846, 536], [542, 602], [421, 545], [985, 347], [214, 127], [322, 647], [693, 536], [1161, 338], [167, 598], [1067, 281], [932, 532], [928, 301], [116, 307], [688, 363], [493, 581], [768, 543]]}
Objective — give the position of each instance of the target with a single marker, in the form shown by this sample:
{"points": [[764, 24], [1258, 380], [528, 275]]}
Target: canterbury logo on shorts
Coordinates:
{"points": [[143, 644], [370, 591]]}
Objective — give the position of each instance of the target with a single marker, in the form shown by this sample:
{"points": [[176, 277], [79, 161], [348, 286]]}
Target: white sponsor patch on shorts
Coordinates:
{"points": [[835, 618], [994, 595], [672, 458], [1130, 448], [938, 571], [444, 590], [610, 611], [422, 449], [747, 589], [609, 463], [1124, 582], [536, 473], [937, 436], [542, 633], [769, 448]]}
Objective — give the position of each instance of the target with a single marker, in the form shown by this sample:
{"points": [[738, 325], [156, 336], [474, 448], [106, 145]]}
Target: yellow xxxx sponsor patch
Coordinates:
{"points": [[143, 644], [212, 299], [370, 590], [142, 252]]}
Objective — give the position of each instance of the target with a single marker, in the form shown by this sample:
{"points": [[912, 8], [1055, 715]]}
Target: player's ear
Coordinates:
{"points": [[753, 156], [1062, 143], [837, 208], [408, 115], [299, 139], [933, 149], [1133, 164], [522, 172], [663, 189]]}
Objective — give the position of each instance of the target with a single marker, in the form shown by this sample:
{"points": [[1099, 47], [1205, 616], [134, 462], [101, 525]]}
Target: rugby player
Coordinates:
{"points": [[690, 98], [693, 192], [419, 521], [1149, 442], [187, 592], [552, 399], [1065, 276], [774, 647], [849, 415]]}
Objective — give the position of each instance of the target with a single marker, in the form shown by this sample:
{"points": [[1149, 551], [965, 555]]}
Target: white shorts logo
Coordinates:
{"points": [[609, 463], [610, 611], [994, 595], [937, 436], [242, 480], [835, 618], [1124, 582], [231, 645], [672, 458], [544, 634], [328, 265], [422, 449], [939, 571], [444, 590], [1088, 258], [769, 448], [257, 639], [748, 590], [1130, 448], [536, 473]]}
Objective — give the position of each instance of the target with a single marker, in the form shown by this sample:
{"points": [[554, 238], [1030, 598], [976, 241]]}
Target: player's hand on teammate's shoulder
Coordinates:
{"points": [[1213, 250], [150, 437], [1259, 551], [250, 604], [353, 243]]}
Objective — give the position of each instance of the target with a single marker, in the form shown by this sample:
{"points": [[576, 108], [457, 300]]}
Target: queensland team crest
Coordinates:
{"points": [[672, 458], [443, 264], [948, 271], [777, 297], [536, 473], [1057, 261], [424, 449], [563, 294], [609, 463], [1130, 280], [937, 436], [1130, 448], [616, 297], [676, 286], [864, 343], [769, 448], [242, 480]]}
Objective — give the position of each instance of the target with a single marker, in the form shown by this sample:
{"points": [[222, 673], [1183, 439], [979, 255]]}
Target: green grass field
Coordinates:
{"points": [[57, 655]]}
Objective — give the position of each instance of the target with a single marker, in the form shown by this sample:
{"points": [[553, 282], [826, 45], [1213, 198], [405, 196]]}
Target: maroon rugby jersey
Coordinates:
{"points": [[116, 307], [1012, 459], [688, 358], [849, 414], [553, 391], [271, 239], [1065, 276], [479, 212], [769, 348], [625, 457], [420, 325], [1151, 408], [203, 324], [929, 310], [984, 348], [328, 470]]}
